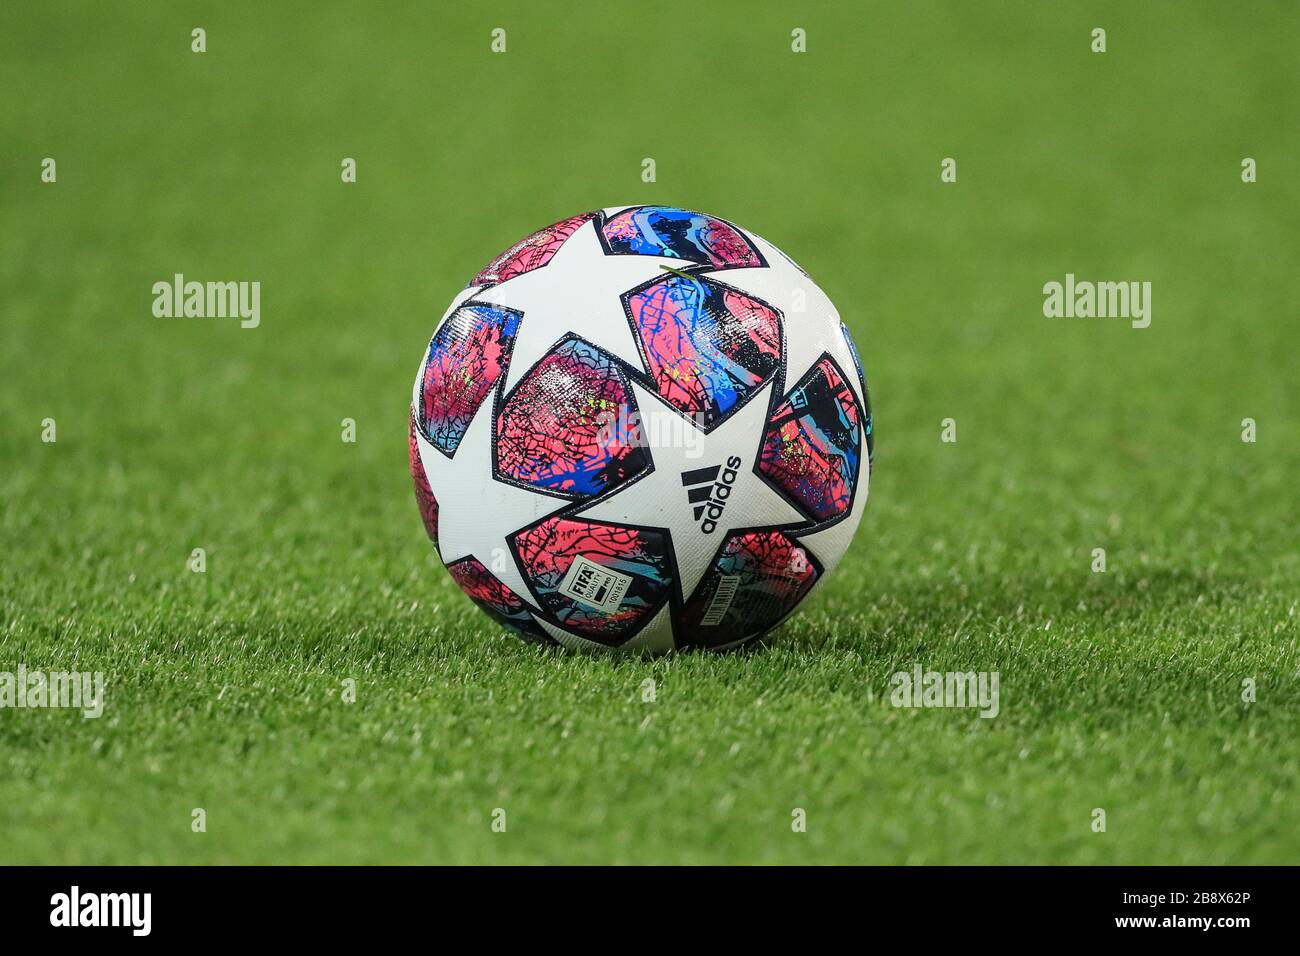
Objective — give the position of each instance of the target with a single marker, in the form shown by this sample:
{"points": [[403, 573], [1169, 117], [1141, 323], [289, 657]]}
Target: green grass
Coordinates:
{"points": [[1119, 690]]}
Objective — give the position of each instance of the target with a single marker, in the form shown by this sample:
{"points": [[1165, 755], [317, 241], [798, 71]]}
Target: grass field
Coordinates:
{"points": [[1120, 690]]}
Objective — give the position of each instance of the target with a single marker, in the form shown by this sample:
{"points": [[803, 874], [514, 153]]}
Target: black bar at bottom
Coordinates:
{"points": [[334, 905]]}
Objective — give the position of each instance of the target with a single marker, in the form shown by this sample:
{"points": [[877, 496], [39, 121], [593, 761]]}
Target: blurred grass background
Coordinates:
{"points": [[1119, 690]]}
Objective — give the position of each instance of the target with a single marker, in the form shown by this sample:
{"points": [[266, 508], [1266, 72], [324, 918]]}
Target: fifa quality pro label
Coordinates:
{"points": [[594, 585]]}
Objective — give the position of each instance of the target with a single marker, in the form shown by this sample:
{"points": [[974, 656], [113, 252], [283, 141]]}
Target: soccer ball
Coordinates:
{"points": [[641, 429]]}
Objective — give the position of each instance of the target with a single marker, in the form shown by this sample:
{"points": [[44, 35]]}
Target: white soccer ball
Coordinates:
{"points": [[641, 429]]}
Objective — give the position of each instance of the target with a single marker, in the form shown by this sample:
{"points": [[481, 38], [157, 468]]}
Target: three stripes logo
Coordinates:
{"points": [[709, 490]]}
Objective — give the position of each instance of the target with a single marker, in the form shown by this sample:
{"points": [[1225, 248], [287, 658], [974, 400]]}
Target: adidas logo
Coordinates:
{"points": [[709, 490]]}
